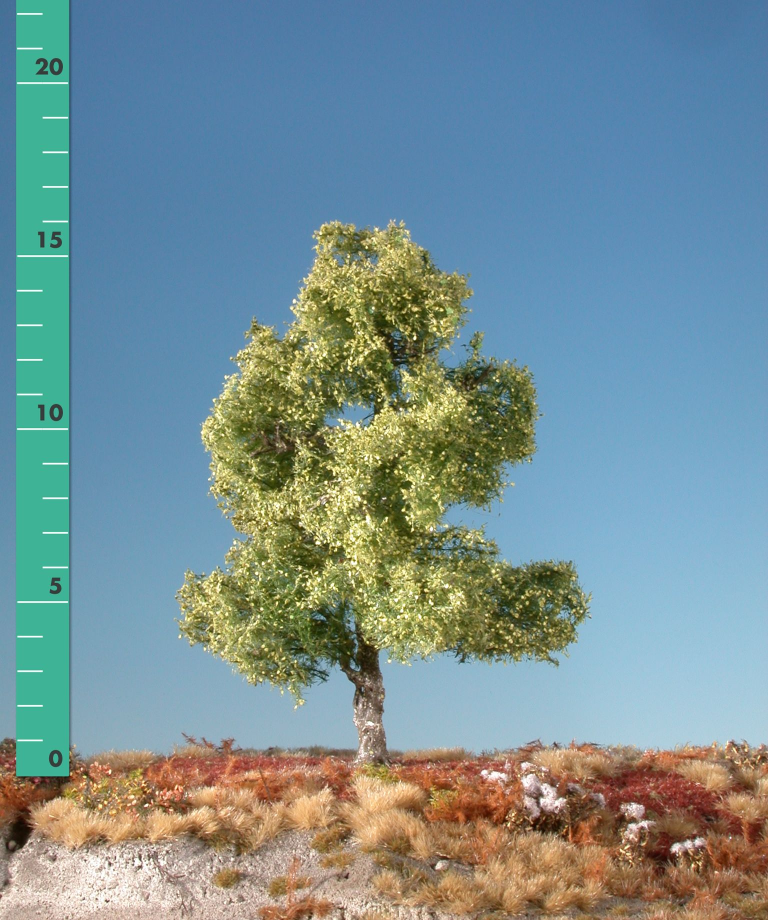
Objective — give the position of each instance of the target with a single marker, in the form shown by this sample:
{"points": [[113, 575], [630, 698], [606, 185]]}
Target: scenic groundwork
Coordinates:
{"points": [[218, 831], [336, 452]]}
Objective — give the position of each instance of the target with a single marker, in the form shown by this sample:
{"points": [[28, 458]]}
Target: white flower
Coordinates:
{"points": [[687, 845], [532, 784], [531, 806], [548, 790], [632, 830], [494, 775], [633, 810], [552, 805], [575, 787], [525, 767], [599, 798]]}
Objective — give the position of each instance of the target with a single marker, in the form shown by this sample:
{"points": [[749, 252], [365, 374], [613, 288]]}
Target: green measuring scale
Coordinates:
{"points": [[42, 388]]}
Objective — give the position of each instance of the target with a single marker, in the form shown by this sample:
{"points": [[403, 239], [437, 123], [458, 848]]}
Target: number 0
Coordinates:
{"points": [[55, 759]]}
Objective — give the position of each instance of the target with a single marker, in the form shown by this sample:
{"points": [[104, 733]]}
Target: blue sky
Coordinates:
{"points": [[599, 171]]}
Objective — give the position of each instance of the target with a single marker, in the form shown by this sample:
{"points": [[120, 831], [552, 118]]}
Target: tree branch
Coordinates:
{"points": [[468, 383]]}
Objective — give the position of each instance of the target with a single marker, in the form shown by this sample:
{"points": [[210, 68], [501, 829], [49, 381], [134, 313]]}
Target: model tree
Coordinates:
{"points": [[336, 452]]}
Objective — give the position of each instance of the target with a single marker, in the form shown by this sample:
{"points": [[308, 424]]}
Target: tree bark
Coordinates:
{"points": [[368, 703]]}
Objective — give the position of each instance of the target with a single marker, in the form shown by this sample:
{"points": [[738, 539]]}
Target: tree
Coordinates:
{"points": [[336, 452]]}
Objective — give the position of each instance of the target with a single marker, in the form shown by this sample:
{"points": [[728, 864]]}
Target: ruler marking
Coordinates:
{"points": [[46, 733]]}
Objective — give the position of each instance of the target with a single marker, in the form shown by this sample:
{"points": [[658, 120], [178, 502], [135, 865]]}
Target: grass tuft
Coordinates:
{"points": [[712, 776]]}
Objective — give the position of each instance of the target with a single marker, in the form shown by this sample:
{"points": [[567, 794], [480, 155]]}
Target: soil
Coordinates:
{"points": [[138, 880]]}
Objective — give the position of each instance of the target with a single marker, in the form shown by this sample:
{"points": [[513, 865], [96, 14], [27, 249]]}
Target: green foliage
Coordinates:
{"points": [[99, 788], [378, 771], [441, 797], [336, 452]]}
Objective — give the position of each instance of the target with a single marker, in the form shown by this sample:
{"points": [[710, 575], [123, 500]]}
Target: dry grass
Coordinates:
{"points": [[625, 881], [125, 760], [220, 796], [453, 892], [581, 765], [747, 807], [310, 811], [395, 828], [374, 796], [73, 826], [678, 825], [193, 750], [437, 755], [712, 776], [751, 778], [544, 872], [65, 823]]}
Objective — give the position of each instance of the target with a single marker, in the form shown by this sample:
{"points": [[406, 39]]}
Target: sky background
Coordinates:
{"points": [[598, 169]]}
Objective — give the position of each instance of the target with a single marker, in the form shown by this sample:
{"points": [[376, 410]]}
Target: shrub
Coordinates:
{"points": [[98, 788]]}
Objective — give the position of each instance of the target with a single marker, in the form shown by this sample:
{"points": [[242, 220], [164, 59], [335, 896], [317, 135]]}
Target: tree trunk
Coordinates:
{"points": [[368, 704]]}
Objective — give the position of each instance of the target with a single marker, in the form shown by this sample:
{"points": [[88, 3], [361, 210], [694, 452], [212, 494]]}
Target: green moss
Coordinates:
{"points": [[327, 841], [227, 878], [337, 860], [279, 886]]}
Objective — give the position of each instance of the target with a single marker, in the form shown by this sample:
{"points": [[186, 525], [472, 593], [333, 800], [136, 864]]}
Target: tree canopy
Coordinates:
{"points": [[336, 452]]}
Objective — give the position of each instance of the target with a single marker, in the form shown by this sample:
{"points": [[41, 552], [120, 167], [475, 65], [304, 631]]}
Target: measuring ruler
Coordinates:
{"points": [[42, 388]]}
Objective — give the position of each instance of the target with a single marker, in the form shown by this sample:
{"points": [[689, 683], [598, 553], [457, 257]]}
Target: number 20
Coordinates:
{"points": [[55, 64]]}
